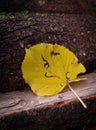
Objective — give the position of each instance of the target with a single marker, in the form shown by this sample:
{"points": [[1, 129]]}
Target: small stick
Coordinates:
{"points": [[81, 101]]}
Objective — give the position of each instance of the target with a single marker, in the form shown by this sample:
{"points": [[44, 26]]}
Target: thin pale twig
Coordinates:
{"points": [[81, 101]]}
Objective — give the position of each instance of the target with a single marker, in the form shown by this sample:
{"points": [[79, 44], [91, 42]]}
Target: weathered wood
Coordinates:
{"points": [[25, 110], [76, 32]]}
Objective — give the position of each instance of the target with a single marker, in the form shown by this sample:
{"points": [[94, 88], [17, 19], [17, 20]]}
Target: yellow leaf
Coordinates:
{"points": [[46, 67]]}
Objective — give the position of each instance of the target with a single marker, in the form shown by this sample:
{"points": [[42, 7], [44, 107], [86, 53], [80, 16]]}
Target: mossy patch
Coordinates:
{"points": [[5, 16], [15, 15]]}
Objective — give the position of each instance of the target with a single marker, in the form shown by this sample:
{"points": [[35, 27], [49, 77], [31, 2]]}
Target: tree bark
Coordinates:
{"points": [[24, 110]]}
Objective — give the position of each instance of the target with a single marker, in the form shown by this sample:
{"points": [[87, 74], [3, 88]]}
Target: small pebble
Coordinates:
{"points": [[41, 2], [74, 40], [11, 73], [49, 37], [21, 44], [82, 33], [88, 32], [84, 54]]}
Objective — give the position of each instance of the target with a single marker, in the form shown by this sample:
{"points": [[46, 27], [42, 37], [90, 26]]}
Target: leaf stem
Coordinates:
{"points": [[81, 101]]}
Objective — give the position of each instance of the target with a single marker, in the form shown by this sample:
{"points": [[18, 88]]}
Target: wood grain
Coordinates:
{"points": [[32, 110]]}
